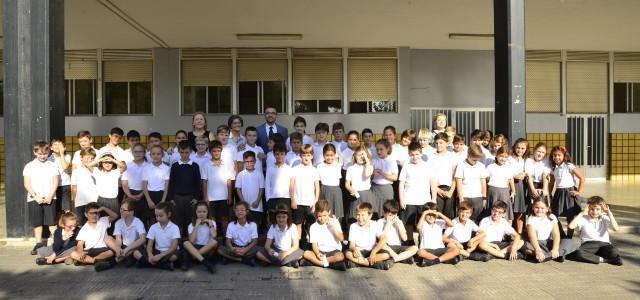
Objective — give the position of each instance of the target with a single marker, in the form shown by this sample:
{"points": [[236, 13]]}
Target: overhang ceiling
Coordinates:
{"points": [[425, 24]]}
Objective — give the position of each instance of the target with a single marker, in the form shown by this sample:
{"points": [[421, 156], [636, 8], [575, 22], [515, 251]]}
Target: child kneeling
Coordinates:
{"points": [[242, 238], [282, 245], [325, 236], [202, 238]]}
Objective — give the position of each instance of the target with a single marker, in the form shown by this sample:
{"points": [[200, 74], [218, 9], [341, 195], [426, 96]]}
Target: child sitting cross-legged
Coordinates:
{"points": [[495, 228], [366, 240], [395, 232], [282, 245], [325, 237], [432, 248], [461, 233], [90, 247]]}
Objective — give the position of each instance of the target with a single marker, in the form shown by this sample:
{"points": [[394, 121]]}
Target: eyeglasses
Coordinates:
{"points": [[201, 145], [93, 213], [249, 161], [122, 209]]}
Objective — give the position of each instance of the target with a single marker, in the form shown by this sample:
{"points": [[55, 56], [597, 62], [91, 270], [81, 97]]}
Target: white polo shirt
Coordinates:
{"points": [[594, 229], [393, 238], [471, 177], [41, 176], [228, 157], [76, 160], [133, 175], [163, 237], [443, 166], [399, 154], [346, 156], [388, 166], [417, 183], [94, 237], [64, 178], [537, 169], [563, 175], [87, 191], [323, 236], [359, 182], [542, 225], [203, 233], [107, 182], [292, 159], [277, 182], [461, 232], [318, 153], [329, 174], [499, 175], [217, 177], [305, 178], [201, 160], [431, 235], [130, 233], [495, 231], [306, 140], [155, 176], [283, 238], [242, 235], [365, 238], [251, 183], [166, 158]]}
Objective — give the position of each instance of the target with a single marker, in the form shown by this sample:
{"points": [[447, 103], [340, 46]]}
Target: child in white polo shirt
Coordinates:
{"points": [[251, 136], [418, 185], [366, 240], [242, 238], [395, 233], [90, 247], [471, 181], [325, 237], [278, 179], [129, 233], [216, 185], [41, 181], [250, 186], [306, 190], [282, 247], [202, 238], [162, 240], [293, 157], [460, 233], [495, 228], [432, 248], [594, 228]]}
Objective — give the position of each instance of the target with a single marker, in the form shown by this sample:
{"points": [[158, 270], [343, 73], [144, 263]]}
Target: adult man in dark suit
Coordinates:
{"points": [[269, 127]]}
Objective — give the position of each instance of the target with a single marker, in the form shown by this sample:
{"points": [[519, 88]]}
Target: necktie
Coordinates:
{"points": [[270, 130]]}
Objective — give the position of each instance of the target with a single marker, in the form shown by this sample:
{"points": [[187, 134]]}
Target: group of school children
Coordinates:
{"points": [[213, 193]]}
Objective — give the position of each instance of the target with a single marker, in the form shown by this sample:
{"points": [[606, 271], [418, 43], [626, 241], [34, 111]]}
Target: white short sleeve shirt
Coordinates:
{"points": [[323, 236], [242, 234], [431, 235], [471, 177], [87, 191], [64, 177], [417, 183], [94, 237], [537, 169], [107, 182], [563, 175], [203, 233], [133, 175], [365, 238], [41, 176], [393, 238], [217, 177], [129, 233], [251, 182], [495, 231], [443, 165], [155, 176], [461, 232], [305, 178], [388, 166], [499, 175], [283, 238], [163, 237], [329, 174], [594, 229], [277, 182], [359, 182], [542, 225]]}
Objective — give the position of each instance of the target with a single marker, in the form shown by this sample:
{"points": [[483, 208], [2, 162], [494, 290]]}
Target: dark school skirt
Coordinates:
{"points": [[333, 194], [520, 201], [499, 194], [365, 196], [382, 193], [565, 205]]}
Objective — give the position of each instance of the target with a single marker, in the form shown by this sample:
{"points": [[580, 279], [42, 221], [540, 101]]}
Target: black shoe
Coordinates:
{"points": [[225, 261], [351, 265], [34, 251], [560, 259], [210, 267], [129, 262], [454, 261], [294, 264], [305, 263], [379, 265], [77, 263], [487, 257], [408, 261], [102, 265], [40, 261], [479, 257], [249, 261], [340, 266], [388, 264], [166, 266], [616, 261]]}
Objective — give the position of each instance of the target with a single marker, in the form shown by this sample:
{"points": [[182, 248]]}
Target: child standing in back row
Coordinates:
{"points": [[358, 179], [305, 190], [471, 181], [501, 187], [566, 200]]}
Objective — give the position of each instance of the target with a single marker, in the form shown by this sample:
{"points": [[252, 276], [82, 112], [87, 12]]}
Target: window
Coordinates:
{"points": [[317, 80], [587, 82], [80, 96], [206, 86], [373, 80], [127, 87], [626, 86], [262, 83]]}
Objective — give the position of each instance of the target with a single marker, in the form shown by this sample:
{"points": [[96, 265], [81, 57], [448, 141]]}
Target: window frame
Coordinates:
{"points": [[104, 93]]}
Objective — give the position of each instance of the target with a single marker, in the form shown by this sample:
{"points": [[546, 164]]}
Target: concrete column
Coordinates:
{"points": [[33, 92], [509, 49]]}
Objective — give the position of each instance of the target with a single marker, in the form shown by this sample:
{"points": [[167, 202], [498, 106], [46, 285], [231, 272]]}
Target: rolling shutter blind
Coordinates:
{"points": [[80, 70], [373, 80], [206, 72], [317, 79], [127, 70], [262, 70], [543, 84], [587, 87], [627, 71]]}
